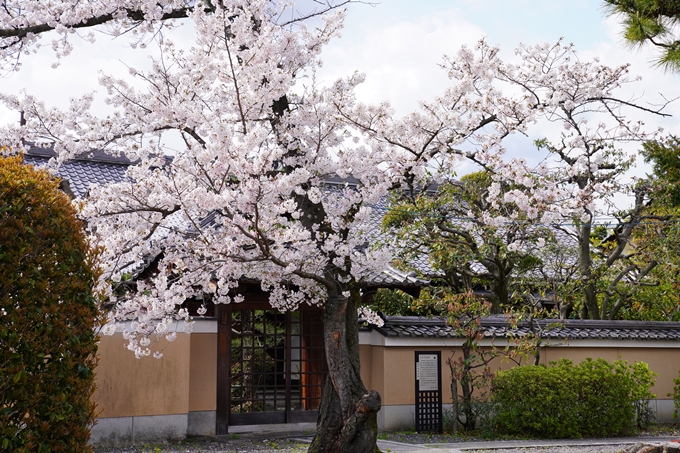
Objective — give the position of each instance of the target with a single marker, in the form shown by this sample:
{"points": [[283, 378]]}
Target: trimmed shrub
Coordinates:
{"points": [[48, 316], [563, 400], [676, 396]]}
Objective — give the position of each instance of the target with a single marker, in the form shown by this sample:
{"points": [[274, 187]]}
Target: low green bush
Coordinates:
{"points": [[676, 396], [563, 400]]}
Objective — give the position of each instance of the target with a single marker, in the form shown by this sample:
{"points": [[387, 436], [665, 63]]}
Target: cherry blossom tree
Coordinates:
{"points": [[245, 195], [584, 172], [576, 179]]}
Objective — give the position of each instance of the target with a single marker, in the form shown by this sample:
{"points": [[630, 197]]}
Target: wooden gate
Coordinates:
{"points": [[271, 366]]}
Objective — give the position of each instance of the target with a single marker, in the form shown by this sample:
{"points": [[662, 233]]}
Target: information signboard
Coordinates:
{"points": [[428, 391]]}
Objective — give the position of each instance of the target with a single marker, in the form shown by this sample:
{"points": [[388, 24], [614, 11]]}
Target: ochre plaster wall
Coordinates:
{"points": [[399, 377], [378, 370], [393, 367], [203, 372], [185, 378], [663, 361], [398, 373], [127, 386], [366, 363]]}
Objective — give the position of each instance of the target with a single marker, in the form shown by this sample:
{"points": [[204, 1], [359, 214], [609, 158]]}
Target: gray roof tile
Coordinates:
{"points": [[83, 172], [98, 168], [555, 329]]}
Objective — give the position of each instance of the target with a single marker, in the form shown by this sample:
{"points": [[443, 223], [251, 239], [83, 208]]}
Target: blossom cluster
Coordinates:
{"points": [[369, 316], [247, 194]]}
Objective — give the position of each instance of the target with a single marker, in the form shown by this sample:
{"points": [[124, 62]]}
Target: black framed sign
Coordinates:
{"points": [[428, 391]]}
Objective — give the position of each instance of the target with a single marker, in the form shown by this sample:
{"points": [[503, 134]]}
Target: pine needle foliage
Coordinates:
{"points": [[651, 22]]}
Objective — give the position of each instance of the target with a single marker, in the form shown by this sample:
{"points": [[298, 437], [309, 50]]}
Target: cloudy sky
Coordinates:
{"points": [[398, 44]]}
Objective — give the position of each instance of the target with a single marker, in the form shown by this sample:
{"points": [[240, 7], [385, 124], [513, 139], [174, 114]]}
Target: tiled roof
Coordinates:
{"points": [[98, 168], [101, 168], [420, 264], [393, 277], [81, 173], [571, 329]]}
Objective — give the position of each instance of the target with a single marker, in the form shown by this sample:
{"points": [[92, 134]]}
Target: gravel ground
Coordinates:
{"points": [[291, 446], [287, 446], [271, 443], [571, 449], [234, 443], [414, 438]]}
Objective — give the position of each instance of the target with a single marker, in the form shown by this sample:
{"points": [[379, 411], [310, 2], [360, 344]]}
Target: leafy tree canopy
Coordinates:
{"points": [[664, 155], [658, 237], [447, 226]]}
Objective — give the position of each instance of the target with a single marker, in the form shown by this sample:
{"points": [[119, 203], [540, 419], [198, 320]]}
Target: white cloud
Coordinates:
{"points": [[400, 59], [78, 73], [398, 44]]}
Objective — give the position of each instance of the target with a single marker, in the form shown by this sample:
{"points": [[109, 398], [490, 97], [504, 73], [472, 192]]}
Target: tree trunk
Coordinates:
{"points": [[501, 292], [466, 386], [454, 406], [585, 265], [348, 419]]}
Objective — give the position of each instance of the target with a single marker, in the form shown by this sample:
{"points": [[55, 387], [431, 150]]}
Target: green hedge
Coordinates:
{"points": [[48, 317], [563, 400], [676, 396]]}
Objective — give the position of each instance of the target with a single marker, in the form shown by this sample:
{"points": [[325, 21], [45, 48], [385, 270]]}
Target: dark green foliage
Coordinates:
{"points": [[676, 396], [395, 302], [665, 159], [651, 22], [48, 316], [658, 237], [563, 400], [448, 228]]}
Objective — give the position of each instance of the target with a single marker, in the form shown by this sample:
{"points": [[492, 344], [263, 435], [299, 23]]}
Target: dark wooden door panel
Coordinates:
{"points": [[271, 365]]}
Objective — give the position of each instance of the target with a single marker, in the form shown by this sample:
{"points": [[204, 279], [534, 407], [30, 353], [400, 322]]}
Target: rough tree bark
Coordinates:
{"points": [[590, 306], [500, 285], [348, 414]]}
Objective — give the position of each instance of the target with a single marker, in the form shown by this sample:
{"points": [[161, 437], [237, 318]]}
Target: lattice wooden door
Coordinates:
{"points": [[271, 365]]}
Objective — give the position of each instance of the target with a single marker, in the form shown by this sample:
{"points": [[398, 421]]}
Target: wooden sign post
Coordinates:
{"points": [[428, 391]]}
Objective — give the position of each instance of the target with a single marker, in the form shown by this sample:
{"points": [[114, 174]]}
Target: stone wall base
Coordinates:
{"points": [[125, 431], [402, 417], [201, 423]]}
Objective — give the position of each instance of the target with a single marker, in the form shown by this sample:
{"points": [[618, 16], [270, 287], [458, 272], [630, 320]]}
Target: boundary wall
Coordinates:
{"points": [[149, 400]]}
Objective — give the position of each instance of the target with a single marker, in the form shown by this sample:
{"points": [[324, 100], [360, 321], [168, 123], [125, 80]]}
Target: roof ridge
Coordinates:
{"points": [[437, 327]]}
